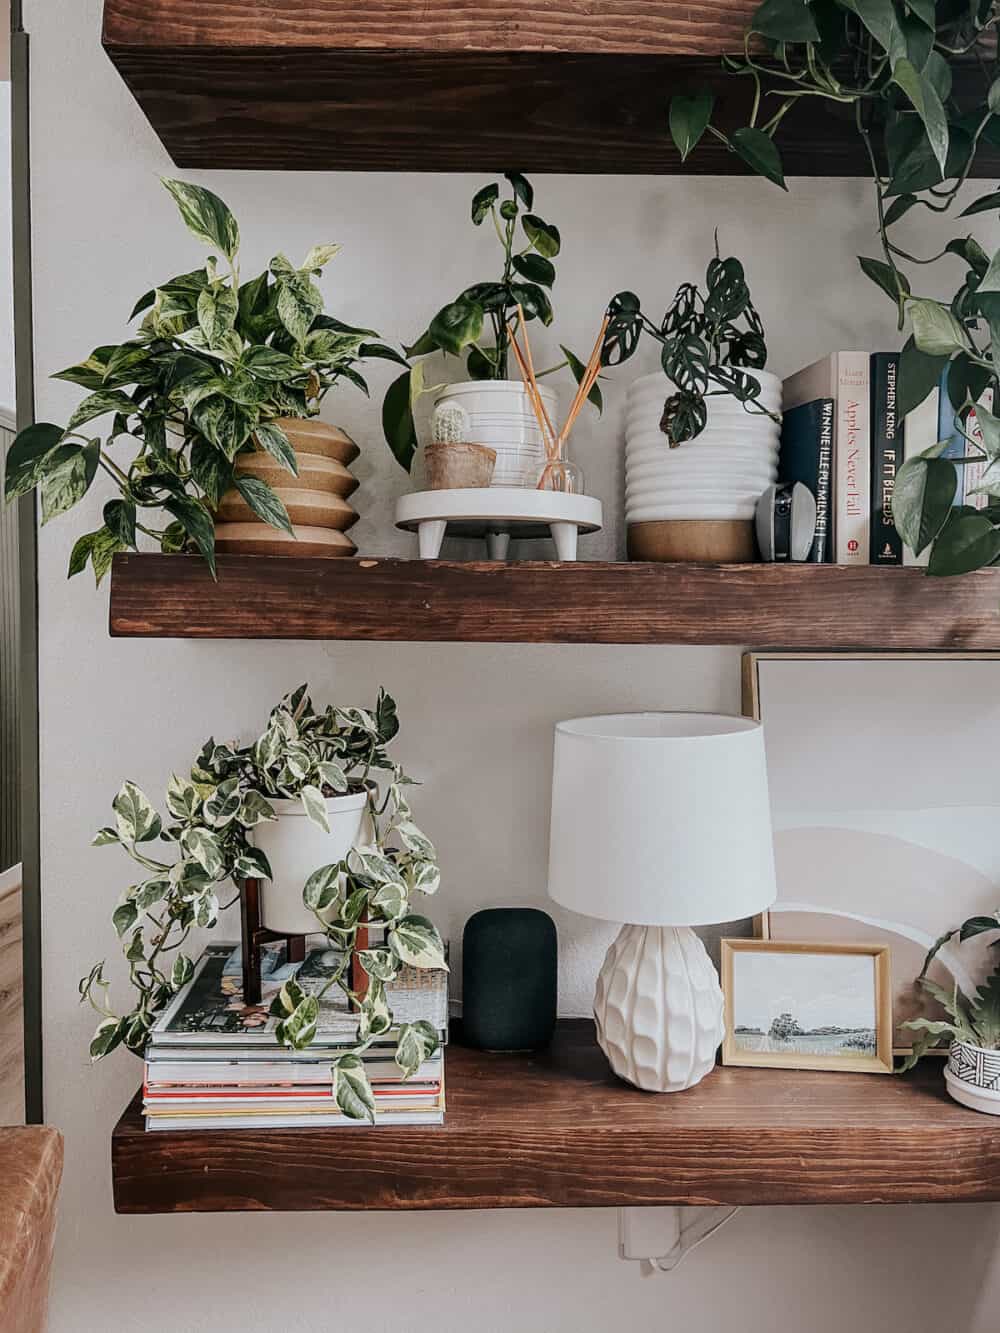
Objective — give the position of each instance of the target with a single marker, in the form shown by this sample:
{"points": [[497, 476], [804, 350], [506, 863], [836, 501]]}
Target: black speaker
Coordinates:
{"points": [[509, 960]]}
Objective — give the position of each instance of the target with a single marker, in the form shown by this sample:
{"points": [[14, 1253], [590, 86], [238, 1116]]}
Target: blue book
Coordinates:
{"points": [[806, 455]]}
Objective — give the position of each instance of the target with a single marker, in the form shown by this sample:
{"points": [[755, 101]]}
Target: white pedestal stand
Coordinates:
{"points": [[497, 513]]}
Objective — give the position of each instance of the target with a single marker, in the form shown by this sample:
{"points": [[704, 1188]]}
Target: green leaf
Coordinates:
{"points": [[925, 11], [332, 775], [891, 281], [993, 97], [521, 187], [108, 1035], [223, 805], [211, 470], [255, 810], [416, 941], [967, 541], [265, 502], [124, 917], [299, 1028], [319, 256], [322, 888], [758, 151], [482, 201], [879, 17], [28, 457], [119, 519], [457, 325], [415, 841], [101, 547], [785, 21], [382, 964], [390, 902], [267, 363], [135, 816], [689, 116], [533, 301], [351, 1089], [990, 281], [918, 375], [183, 800], [542, 235], [151, 892], [922, 498], [986, 203], [204, 847], [181, 972], [899, 207], [217, 314], [416, 1043], [196, 521], [927, 104], [425, 876], [936, 331], [315, 807], [535, 268], [206, 216], [299, 302], [105, 837], [68, 481], [98, 405]]}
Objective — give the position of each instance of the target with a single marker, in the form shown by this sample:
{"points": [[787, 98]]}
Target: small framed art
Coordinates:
{"points": [[807, 1006]]}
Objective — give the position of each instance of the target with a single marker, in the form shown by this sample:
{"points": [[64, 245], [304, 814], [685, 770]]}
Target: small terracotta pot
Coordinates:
{"points": [[450, 467], [316, 500]]}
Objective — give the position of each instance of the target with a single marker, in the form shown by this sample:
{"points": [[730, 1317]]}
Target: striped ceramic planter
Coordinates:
{"points": [[973, 1076], [316, 499]]}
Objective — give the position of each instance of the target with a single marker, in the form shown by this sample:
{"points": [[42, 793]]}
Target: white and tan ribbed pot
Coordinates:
{"points": [[316, 499], [697, 501]]}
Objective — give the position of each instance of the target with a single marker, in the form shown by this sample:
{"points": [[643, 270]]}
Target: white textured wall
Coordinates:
{"points": [[477, 725]]}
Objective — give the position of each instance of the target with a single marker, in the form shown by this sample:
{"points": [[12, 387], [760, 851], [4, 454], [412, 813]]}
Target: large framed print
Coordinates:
{"points": [[883, 771]]}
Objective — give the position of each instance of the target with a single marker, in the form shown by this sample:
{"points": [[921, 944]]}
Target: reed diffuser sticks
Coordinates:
{"points": [[555, 443]]}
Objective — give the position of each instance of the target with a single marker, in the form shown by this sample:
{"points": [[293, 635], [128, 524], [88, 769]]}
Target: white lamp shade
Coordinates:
{"points": [[661, 819]]}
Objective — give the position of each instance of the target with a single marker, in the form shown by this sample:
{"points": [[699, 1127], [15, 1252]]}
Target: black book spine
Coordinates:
{"points": [[806, 456], [887, 456]]}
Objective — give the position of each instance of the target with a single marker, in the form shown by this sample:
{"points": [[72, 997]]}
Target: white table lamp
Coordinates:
{"points": [[661, 820]]}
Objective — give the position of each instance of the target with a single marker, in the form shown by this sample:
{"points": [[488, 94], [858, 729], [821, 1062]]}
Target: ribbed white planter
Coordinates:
{"points": [[498, 413], [973, 1076], [716, 478], [295, 847]]}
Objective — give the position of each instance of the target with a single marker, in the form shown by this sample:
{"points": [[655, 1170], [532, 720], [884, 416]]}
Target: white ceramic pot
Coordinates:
{"points": [[295, 847], [973, 1076], [498, 413], [723, 471]]}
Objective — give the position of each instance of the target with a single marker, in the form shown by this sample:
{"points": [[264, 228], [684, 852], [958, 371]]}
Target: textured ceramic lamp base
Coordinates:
{"points": [[658, 1008]]}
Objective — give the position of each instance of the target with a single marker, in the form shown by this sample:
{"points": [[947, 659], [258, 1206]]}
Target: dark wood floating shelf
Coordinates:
{"points": [[448, 85], [558, 1130], [761, 606]]}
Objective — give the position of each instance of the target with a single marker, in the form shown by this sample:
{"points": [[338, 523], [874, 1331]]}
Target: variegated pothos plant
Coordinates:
{"points": [[301, 754]]}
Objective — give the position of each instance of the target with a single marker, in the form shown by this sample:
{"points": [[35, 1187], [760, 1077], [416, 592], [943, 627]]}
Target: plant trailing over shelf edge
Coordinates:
{"points": [[701, 344], [303, 754], [974, 1019], [214, 362], [922, 77], [475, 324]]}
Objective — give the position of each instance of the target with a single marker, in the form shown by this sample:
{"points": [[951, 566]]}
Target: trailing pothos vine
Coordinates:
{"points": [[919, 79], [193, 856]]}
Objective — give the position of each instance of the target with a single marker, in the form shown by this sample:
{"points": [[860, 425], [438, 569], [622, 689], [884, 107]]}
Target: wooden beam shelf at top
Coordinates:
{"points": [[449, 85]]}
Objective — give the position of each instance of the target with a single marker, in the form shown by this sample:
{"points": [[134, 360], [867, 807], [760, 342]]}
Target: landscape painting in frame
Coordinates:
{"points": [[883, 778], [807, 1006]]}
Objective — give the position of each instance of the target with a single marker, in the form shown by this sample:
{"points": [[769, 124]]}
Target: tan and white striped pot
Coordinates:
{"points": [[316, 499]]}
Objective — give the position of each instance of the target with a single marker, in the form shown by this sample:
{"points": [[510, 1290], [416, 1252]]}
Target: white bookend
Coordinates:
{"points": [[920, 432], [844, 377]]}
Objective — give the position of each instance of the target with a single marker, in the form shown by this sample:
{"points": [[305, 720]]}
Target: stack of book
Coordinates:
{"points": [[843, 438], [214, 1063]]}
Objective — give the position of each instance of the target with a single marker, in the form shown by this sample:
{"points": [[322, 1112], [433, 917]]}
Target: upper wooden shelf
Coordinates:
{"points": [[762, 606], [558, 1130], [447, 85]]}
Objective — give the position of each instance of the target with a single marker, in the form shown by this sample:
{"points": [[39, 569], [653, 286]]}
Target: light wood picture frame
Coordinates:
{"points": [[806, 976], [880, 767]]}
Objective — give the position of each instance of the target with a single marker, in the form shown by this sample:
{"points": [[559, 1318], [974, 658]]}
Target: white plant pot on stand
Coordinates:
{"points": [[497, 413], [697, 501], [295, 847]]}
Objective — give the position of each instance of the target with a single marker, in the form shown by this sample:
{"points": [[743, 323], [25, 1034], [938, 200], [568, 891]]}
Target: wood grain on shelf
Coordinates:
{"points": [[669, 27], [557, 1129], [764, 606]]}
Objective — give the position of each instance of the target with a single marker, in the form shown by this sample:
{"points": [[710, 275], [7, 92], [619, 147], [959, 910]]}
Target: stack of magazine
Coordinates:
{"points": [[214, 1062]]}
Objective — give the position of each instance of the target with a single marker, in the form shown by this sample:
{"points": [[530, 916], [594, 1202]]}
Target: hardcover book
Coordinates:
{"points": [[844, 377], [806, 456], [886, 545]]}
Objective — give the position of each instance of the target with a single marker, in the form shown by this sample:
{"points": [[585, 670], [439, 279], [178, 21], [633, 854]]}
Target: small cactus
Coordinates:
{"points": [[451, 421]]}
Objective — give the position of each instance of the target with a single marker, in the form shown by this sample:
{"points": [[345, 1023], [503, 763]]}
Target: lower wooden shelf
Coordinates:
{"points": [[764, 606], [558, 1130]]}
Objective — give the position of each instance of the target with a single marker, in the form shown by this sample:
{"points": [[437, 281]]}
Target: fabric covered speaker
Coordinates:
{"points": [[509, 979]]}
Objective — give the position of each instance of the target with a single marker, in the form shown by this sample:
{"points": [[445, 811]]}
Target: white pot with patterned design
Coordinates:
{"points": [[973, 1076], [658, 1008], [497, 413]]}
